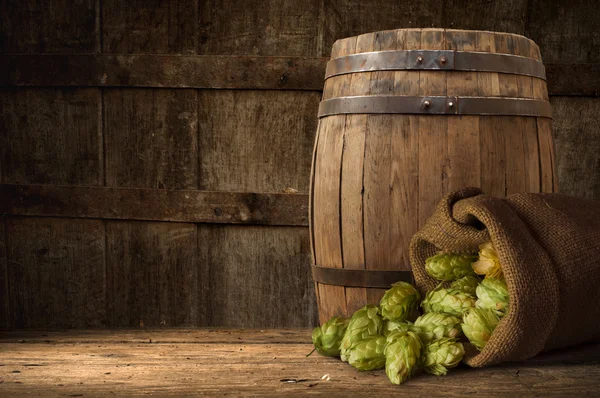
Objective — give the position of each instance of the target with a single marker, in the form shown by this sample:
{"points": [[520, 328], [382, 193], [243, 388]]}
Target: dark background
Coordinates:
{"points": [[99, 97]]}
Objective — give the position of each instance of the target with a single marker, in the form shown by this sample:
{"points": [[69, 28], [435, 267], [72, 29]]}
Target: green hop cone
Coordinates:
{"points": [[402, 356], [391, 326], [478, 325], [492, 294], [449, 266], [441, 355], [434, 326], [368, 354], [467, 284], [399, 302], [328, 336], [365, 323], [450, 301]]}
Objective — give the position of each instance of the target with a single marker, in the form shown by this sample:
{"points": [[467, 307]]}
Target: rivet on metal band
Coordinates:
{"points": [[359, 277], [435, 60], [434, 105]]}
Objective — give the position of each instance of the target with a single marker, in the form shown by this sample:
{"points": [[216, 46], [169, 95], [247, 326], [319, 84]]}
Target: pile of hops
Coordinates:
{"points": [[383, 336]]}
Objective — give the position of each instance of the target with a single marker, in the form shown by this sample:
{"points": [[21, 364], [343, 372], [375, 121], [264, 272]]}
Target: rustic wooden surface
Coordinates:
{"points": [[85, 85], [158, 204], [253, 362]]}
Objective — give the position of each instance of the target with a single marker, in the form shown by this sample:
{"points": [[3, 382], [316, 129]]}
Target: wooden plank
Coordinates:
{"points": [[352, 189], [404, 172], [151, 138], [236, 367], [345, 18], [256, 141], [173, 71], [226, 71], [516, 157], [461, 83], [59, 27], [463, 131], [161, 335], [151, 274], [56, 273], [577, 142], [492, 133], [5, 314], [499, 16], [255, 277], [565, 32], [531, 171], [326, 212], [548, 169], [433, 136], [150, 26], [154, 204], [259, 27], [51, 136]]}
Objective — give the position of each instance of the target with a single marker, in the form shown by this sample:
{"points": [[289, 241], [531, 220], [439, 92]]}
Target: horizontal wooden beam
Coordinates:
{"points": [[219, 72], [154, 204], [172, 71]]}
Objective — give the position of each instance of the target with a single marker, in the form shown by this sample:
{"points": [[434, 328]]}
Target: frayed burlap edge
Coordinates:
{"points": [[461, 222]]}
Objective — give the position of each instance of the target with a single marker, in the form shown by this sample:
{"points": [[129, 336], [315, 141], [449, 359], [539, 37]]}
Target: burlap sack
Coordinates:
{"points": [[549, 249]]}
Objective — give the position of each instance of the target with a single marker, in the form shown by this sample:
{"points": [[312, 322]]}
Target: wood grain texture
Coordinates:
{"points": [[150, 26], [344, 18], [326, 212], [261, 28], [4, 295], [548, 166], [501, 16], [174, 71], [577, 139], [154, 204], [151, 274], [171, 363], [162, 335], [58, 26], [151, 138], [56, 273], [433, 135], [51, 136], [351, 175], [256, 141], [234, 72], [565, 32], [255, 277]]}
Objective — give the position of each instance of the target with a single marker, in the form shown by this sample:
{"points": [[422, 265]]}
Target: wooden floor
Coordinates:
{"points": [[179, 362]]}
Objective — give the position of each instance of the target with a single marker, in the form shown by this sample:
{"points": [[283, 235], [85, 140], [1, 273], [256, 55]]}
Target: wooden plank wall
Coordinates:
{"points": [[145, 147]]}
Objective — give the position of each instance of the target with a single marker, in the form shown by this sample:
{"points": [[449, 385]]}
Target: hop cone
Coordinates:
{"points": [[449, 267], [327, 337], [492, 294], [488, 263], [467, 284], [402, 356], [368, 354], [434, 326], [365, 322], [478, 325], [450, 301], [391, 326], [399, 302], [441, 355]]}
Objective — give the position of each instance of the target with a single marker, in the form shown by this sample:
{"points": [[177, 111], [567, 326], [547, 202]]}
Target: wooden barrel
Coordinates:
{"points": [[407, 116]]}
